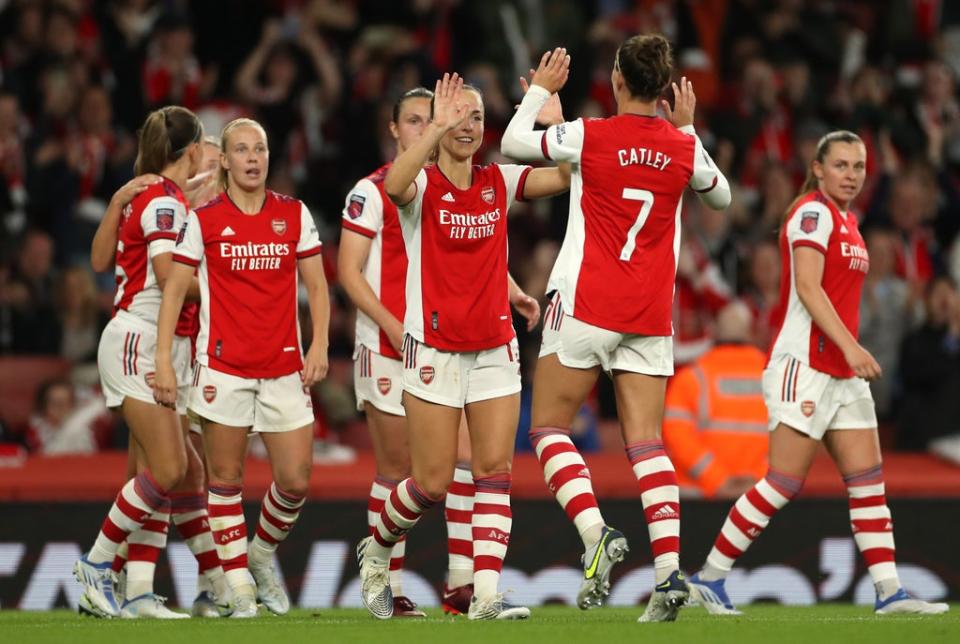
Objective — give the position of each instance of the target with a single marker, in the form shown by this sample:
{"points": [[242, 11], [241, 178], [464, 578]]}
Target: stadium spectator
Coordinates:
{"points": [[27, 306], [65, 423], [715, 423], [763, 292], [81, 318]]}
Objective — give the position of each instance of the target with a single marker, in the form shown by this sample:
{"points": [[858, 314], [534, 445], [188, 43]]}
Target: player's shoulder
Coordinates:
{"points": [[378, 176], [164, 193], [813, 203], [277, 202], [212, 207]]}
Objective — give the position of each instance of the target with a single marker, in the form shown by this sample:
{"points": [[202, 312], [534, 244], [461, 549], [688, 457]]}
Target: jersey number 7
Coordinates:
{"points": [[645, 197]]}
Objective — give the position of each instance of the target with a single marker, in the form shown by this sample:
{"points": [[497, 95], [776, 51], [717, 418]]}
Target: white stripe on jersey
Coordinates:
{"points": [[566, 269]]}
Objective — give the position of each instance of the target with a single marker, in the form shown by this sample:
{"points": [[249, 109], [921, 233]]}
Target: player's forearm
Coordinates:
{"points": [[360, 293], [520, 141], [103, 248], [398, 183], [546, 182], [821, 310], [174, 292], [707, 181], [319, 300]]}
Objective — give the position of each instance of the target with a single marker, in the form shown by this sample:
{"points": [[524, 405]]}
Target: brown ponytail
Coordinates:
{"points": [[223, 181], [164, 137], [811, 182], [646, 63]]}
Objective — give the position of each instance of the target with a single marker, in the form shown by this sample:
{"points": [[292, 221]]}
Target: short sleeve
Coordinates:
{"points": [[811, 224], [189, 248], [161, 219], [309, 242], [563, 142], [363, 210], [415, 207], [515, 178]]}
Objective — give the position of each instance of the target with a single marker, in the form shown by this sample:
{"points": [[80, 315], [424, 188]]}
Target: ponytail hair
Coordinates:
{"points": [[646, 63], [164, 137], [811, 182], [223, 181]]}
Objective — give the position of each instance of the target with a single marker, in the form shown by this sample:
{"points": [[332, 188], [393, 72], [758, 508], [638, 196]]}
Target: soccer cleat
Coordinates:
{"points": [[97, 581], [244, 606], [86, 608], [712, 595], [404, 607], [496, 608], [205, 605], [902, 602], [149, 606], [375, 588], [270, 591], [598, 561], [666, 600], [456, 601]]}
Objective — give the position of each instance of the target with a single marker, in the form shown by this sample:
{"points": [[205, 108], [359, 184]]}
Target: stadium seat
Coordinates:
{"points": [[19, 378]]}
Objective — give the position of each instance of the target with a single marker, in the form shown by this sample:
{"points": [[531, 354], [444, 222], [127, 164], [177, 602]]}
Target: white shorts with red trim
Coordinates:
{"points": [[378, 380], [125, 360], [579, 345], [813, 402], [263, 404], [456, 379]]}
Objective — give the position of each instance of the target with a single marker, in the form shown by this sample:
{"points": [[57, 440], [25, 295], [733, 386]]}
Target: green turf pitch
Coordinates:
{"points": [[761, 624]]}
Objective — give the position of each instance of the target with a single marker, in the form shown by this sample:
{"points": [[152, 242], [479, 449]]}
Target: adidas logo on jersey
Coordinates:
{"points": [[447, 197], [226, 232], [665, 511]]}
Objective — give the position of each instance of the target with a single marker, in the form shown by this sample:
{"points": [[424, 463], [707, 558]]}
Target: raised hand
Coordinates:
{"points": [[684, 103], [552, 111], [449, 109], [553, 71]]}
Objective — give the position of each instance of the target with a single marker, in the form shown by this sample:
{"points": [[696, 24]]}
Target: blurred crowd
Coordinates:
{"points": [[77, 78]]}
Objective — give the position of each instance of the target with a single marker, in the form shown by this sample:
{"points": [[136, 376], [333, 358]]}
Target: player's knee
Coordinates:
{"points": [[295, 481], [491, 468], [229, 474], [434, 487], [170, 474]]}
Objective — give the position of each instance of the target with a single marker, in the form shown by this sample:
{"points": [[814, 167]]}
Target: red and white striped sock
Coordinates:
{"points": [[120, 560], [278, 514], [143, 551], [189, 514], [568, 479], [224, 505], [660, 496], [458, 512], [403, 508], [747, 519], [873, 528], [492, 520], [136, 501], [379, 491]]}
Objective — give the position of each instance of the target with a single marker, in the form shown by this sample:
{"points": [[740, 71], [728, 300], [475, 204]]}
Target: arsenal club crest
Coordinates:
{"points": [[488, 194], [808, 407], [426, 374], [279, 226], [809, 221], [384, 385], [209, 393]]}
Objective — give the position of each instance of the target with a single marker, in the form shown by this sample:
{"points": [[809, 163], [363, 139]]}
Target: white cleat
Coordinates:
{"points": [[666, 600], [496, 608], [712, 595], [149, 606], [270, 591], [244, 606], [375, 588], [98, 597], [598, 561], [205, 605], [902, 603]]}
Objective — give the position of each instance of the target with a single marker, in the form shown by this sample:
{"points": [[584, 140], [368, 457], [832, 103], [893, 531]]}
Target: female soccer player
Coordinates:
{"points": [[460, 351], [815, 384], [249, 244], [372, 268], [612, 297], [170, 145]]}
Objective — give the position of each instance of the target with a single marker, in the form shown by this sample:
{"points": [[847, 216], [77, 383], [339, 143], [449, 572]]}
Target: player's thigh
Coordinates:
{"points": [[639, 404], [493, 430], [225, 449], [391, 445], [196, 439], [291, 458], [193, 480], [463, 442], [432, 430], [853, 450], [559, 392], [157, 430], [791, 451]]}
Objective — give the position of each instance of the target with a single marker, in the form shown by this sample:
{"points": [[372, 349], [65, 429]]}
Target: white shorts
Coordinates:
{"points": [[814, 402], [378, 380], [125, 359], [579, 345], [263, 404], [455, 379]]}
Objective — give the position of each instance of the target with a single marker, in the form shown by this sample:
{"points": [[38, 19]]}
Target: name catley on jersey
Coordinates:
{"points": [[457, 293], [817, 223], [369, 212], [148, 227], [617, 266], [248, 283]]}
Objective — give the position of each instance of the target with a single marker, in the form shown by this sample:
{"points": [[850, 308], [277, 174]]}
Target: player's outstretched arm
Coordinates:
{"points": [[315, 363], [103, 249], [707, 181], [547, 182], [177, 283], [540, 102], [449, 111]]}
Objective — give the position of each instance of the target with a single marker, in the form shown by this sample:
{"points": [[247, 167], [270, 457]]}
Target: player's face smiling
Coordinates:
{"points": [[463, 141], [843, 171], [247, 157], [414, 118]]}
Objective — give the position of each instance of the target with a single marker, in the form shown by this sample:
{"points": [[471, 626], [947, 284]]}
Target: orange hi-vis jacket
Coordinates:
{"points": [[715, 422]]}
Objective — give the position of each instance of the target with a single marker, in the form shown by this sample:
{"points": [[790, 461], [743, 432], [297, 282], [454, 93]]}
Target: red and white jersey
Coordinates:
{"points": [[148, 227], [188, 324], [617, 265], [817, 223], [248, 283], [369, 212], [457, 292]]}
